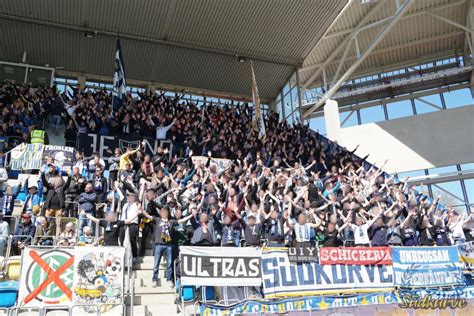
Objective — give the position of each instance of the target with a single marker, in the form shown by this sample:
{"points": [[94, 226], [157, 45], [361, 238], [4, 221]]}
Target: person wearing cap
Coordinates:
{"points": [[32, 201], [4, 232], [129, 210], [23, 234]]}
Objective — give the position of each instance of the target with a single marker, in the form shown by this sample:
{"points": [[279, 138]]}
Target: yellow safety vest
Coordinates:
{"points": [[37, 137]]}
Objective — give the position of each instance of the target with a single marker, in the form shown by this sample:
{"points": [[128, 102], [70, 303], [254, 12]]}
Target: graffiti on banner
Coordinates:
{"points": [[63, 156], [466, 256], [302, 254], [26, 157], [46, 277], [434, 298], [288, 305], [281, 278], [105, 145], [427, 266], [209, 266], [355, 255], [221, 163], [98, 277]]}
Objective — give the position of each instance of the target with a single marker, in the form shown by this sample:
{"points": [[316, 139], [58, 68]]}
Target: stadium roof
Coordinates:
{"points": [[195, 44], [419, 36], [175, 42]]}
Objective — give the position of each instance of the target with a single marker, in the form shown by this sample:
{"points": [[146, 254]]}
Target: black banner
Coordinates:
{"points": [[220, 266], [105, 145], [303, 254]]}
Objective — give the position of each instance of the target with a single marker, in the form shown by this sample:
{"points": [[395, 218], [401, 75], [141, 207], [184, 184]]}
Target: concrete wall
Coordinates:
{"points": [[418, 142]]}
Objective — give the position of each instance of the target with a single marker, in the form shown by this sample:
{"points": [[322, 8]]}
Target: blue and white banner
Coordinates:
{"points": [[426, 266], [303, 304], [466, 256], [282, 278]]}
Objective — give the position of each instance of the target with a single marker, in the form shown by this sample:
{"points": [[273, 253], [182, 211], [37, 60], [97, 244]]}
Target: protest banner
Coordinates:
{"points": [[282, 278], [46, 277], [26, 157], [63, 156], [427, 266], [355, 255], [98, 277], [105, 145], [220, 266]]}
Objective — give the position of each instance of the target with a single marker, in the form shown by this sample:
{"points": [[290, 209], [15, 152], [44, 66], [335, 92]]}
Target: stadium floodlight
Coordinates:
{"points": [[241, 59], [368, 1]]}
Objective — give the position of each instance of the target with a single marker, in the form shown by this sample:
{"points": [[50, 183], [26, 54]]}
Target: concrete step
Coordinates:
{"points": [[147, 288], [155, 310], [147, 263], [148, 283], [148, 274], [152, 299]]}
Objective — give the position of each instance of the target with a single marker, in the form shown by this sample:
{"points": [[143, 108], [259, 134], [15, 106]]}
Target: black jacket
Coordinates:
{"points": [[52, 191]]}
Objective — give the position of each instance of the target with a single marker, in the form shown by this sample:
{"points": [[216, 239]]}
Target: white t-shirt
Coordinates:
{"points": [[360, 234]]}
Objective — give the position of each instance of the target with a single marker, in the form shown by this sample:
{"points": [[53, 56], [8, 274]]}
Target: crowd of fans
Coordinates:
{"points": [[291, 187]]}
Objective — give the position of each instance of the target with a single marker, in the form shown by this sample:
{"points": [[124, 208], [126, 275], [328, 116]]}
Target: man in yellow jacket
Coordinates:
{"points": [[38, 136]]}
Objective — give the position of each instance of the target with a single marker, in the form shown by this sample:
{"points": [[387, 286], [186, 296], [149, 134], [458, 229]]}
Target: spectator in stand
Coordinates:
{"points": [[68, 236], [7, 200], [55, 198], [86, 202], [23, 234], [32, 201], [45, 231], [76, 187], [4, 233]]}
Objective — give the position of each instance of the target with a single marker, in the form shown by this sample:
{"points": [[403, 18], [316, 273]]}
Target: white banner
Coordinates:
{"points": [[281, 277], [98, 277], [220, 266], [46, 277], [221, 163]]}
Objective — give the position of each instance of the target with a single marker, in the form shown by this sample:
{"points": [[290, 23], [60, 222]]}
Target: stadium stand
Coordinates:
{"points": [[121, 200]]}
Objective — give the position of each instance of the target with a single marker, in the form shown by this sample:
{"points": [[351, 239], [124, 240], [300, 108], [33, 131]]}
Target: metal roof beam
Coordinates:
{"points": [[407, 16], [146, 39], [441, 18], [395, 18], [335, 53], [399, 46]]}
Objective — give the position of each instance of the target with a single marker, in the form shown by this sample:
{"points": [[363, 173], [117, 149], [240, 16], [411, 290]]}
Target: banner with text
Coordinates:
{"points": [[282, 278], [63, 156], [427, 266], [303, 304], [466, 256], [217, 266], [105, 145], [355, 255], [26, 157]]}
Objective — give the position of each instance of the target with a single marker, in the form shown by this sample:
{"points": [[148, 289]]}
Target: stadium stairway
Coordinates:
{"points": [[149, 300]]}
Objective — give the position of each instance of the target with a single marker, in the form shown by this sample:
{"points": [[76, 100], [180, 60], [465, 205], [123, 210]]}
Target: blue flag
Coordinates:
{"points": [[119, 92]]}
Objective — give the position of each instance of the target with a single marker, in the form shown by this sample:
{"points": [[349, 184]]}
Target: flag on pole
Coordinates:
{"points": [[258, 122], [119, 92]]}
